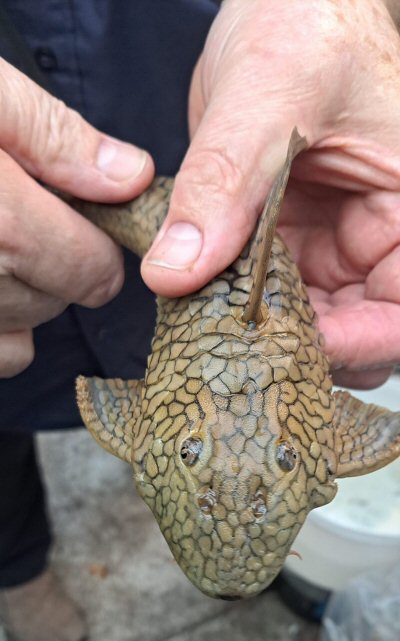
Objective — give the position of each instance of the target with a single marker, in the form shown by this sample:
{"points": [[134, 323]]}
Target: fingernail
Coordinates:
{"points": [[178, 248], [119, 161]]}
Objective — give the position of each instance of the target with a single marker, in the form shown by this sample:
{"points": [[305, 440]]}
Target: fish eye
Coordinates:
{"points": [[286, 456], [191, 450]]}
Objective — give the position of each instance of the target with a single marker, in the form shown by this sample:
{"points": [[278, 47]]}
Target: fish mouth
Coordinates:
{"points": [[233, 581], [237, 592]]}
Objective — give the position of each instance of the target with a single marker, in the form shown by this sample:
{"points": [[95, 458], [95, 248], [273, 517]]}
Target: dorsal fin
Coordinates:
{"points": [[262, 243]]}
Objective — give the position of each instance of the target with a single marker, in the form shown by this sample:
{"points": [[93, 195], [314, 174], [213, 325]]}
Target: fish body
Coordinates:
{"points": [[257, 403], [234, 434]]}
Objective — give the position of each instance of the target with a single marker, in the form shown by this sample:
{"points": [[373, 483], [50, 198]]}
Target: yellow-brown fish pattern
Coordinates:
{"points": [[234, 434]]}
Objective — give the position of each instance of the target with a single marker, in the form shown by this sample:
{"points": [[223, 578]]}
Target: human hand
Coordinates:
{"points": [[50, 255], [333, 70]]}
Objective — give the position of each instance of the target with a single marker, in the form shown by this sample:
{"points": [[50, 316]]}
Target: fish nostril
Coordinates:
{"points": [[206, 500], [259, 504]]}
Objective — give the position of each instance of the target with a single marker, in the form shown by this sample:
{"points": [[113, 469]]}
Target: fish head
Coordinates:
{"points": [[230, 479]]}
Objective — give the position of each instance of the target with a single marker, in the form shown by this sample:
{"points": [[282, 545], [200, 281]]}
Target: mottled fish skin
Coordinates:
{"points": [[247, 395], [233, 434], [135, 223]]}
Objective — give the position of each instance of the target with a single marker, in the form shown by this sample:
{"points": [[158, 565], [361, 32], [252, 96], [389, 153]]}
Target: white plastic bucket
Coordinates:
{"points": [[360, 529]]}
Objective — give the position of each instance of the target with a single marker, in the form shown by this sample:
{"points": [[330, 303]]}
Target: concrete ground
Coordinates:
{"points": [[116, 564]]}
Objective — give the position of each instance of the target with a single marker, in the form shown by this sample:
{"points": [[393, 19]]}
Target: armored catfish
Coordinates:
{"points": [[234, 434]]}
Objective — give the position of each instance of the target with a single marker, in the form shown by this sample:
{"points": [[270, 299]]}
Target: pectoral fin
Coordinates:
{"points": [[109, 409], [367, 437]]}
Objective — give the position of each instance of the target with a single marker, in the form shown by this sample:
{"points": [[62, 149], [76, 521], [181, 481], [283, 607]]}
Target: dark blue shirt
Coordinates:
{"points": [[126, 67]]}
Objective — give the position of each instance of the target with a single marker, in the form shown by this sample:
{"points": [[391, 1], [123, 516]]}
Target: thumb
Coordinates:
{"points": [[56, 145], [218, 193]]}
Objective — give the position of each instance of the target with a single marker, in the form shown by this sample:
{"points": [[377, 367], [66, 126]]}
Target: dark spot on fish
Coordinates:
{"points": [[229, 597], [143, 462]]}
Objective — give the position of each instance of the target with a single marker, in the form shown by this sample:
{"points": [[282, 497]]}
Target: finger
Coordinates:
{"points": [[54, 143], [362, 335], [221, 186], [49, 246], [361, 379], [383, 282], [197, 104], [16, 353], [22, 307]]}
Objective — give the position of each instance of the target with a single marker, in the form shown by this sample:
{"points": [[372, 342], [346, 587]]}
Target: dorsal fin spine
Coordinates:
{"points": [[262, 244]]}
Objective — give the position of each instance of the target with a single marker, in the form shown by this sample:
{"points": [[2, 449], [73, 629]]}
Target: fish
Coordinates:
{"points": [[234, 433]]}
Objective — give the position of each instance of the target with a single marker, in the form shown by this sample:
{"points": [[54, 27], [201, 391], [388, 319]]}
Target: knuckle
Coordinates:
{"points": [[106, 288], [213, 169], [51, 309], [16, 353], [58, 125], [11, 207], [23, 306]]}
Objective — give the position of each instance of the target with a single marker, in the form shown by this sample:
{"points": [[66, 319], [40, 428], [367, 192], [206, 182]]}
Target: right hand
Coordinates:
{"points": [[51, 256], [333, 69]]}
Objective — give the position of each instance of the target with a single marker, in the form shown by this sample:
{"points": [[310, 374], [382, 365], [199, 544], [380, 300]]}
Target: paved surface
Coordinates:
{"points": [[115, 562], [118, 567]]}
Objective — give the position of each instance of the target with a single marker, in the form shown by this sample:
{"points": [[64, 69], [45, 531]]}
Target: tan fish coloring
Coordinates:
{"points": [[234, 434]]}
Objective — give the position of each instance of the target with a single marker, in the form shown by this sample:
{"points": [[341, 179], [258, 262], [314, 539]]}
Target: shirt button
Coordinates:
{"points": [[46, 58]]}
